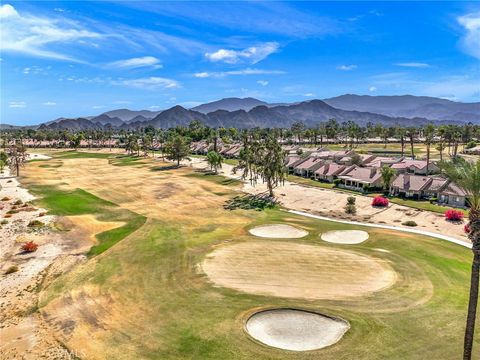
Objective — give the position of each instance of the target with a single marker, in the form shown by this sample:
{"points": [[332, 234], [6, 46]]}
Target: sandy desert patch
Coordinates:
{"points": [[293, 270]]}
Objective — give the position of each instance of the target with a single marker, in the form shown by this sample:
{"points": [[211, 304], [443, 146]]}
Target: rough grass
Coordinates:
{"points": [[210, 176], [72, 154]]}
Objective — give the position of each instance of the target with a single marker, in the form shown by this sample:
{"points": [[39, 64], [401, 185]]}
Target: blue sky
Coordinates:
{"points": [[83, 58]]}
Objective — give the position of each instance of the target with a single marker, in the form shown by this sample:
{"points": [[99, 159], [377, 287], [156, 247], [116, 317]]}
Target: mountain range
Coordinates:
{"points": [[406, 110]]}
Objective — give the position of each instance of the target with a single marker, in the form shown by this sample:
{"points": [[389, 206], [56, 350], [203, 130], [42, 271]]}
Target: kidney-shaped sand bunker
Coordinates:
{"points": [[280, 231], [345, 236], [288, 269], [295, 330]]}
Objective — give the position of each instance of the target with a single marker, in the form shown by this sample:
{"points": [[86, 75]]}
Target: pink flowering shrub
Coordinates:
{"points": [[467, 229], [380, 201], [453, 215]]}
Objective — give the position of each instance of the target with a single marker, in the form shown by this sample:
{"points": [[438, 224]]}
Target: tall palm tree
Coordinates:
{"points": [[428, 133], [387, 176], [467, 176]]}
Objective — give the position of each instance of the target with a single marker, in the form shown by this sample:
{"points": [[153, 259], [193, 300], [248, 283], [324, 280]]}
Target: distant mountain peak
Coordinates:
{"points": [[229, 104]]}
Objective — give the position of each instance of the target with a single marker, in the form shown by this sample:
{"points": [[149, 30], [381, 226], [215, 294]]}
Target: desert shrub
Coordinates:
{"points": [[6, 216], [351, 209], [12, 269], [467, 229], [18, 202], [453, 215], [35, 223], [41, 214], [5, 198], [409, 223], [379, 201], [30, 246], [4, 222], [12, 211], [351, 200]]}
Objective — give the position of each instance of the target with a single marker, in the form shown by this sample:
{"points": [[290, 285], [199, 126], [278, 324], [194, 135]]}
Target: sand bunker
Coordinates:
{"points": [[281, 231], [293, 270], [295, 330], [345, 236]]}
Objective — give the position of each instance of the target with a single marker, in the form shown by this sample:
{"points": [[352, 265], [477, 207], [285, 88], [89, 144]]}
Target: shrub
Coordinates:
{"points": [[467, 229], [18, 202], [351, 209], [470, 144], [351, 200], [380, 201], [6, 198], [409, 223], [6, 216], [4, 222], [29, 246], [433, 200], [12, 269], [41, 214], [35, 223], [336, 182], [454, 215]]}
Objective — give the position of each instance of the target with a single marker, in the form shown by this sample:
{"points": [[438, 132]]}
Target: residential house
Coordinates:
{"points": [[328, 171], [415, 167], [408, 185], [308, 167], [358, 178]]}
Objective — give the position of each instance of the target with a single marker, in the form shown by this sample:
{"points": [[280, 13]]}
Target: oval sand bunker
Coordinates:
{"points": [[295, 330], [293, 270], [281, 231], [345, 236]]}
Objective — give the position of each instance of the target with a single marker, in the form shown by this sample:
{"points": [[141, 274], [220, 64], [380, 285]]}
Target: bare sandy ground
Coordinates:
{"points": [[293, 270], [345, 236], [331, 203], [295, 330], [279, 231]]}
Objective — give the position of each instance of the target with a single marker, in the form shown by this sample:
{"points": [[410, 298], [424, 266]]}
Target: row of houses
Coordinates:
{"points": [[226, 150], [412, 179]]}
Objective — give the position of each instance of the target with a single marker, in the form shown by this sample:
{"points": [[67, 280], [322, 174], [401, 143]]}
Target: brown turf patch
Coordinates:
{"points": [[292, 270]]}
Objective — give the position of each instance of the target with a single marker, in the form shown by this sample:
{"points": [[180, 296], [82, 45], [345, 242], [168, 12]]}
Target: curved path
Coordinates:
{"points": [[390, 227]]}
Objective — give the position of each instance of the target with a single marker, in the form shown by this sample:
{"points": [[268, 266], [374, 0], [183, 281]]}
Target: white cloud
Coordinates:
{"points": [[202, 75], [346, 67], [98, 106], [32, 35], [122, 102], [251, 55], [471, 40], [154, 107], [247, 71], [372, 89], [150, 83], [146, 61], [17, 104], [49, 103], [413, 64], [309, 94], [262, 82]]}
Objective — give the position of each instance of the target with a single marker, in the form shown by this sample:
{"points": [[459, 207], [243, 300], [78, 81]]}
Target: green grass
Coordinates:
{"points": [[80, 202], [128, 160]]}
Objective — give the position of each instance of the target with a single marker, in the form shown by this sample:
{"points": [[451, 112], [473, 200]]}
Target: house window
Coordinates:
{"points": [[457, 199]]}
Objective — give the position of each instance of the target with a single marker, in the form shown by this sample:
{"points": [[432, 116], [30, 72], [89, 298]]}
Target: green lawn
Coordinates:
{"points": [[72, 154], [80, 202]]}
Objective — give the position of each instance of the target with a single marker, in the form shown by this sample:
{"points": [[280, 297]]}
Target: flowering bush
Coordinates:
{"points": [[29, 246], [453, 215], [380, 201], [467, 229]]}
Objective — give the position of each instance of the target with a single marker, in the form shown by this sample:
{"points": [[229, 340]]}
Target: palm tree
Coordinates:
{"points": [[412, 134], [387, 176], [215, 160], [466, 175], [428, 133]]}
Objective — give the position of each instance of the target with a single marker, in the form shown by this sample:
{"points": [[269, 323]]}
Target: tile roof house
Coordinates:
{"points": [[356, 177], [364, 158], [419, 187], [308, 166], [415, 167], [380, 161], [328, 171]]}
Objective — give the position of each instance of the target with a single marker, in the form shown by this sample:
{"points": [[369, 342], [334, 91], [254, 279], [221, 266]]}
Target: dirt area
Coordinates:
{"points": [[345, 236], [295, 330], [292, 270], [278, 231], [331, 203]]}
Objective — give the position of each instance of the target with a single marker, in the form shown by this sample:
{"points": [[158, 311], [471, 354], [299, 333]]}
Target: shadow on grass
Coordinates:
{"points": [[211, 176], [165, 167], [251, 202]]}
